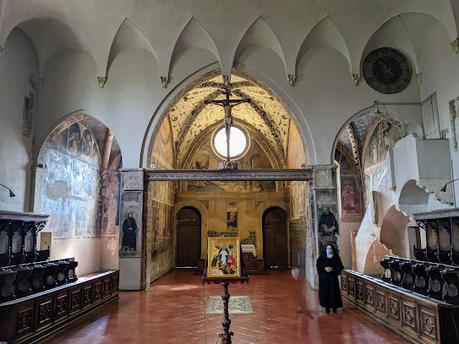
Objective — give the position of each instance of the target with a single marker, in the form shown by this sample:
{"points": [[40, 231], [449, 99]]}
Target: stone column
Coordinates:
{"points": [[323, 205], [132, 245], [353, 249]]}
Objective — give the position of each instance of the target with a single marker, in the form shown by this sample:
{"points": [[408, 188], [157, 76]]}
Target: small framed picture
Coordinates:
{"points": [[223, 258]]}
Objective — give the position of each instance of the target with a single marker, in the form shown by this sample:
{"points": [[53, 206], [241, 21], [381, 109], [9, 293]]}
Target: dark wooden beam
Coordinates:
{"points": [[231, 175]]}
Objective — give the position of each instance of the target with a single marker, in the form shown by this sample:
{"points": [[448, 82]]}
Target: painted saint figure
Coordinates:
{"points": [[129, 233], [328, 228], [329, 267]]}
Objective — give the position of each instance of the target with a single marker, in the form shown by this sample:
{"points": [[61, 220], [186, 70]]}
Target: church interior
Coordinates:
{"points": [[177, 172]]}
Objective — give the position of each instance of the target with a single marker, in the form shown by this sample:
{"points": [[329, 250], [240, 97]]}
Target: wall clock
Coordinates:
{"points": [[387, 70]]}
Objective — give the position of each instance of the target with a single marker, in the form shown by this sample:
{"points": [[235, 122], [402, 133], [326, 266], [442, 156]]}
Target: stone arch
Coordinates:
{"points": [[204, 220], [405, 32], [413, 198], [194, 35], [393, 232], [260, 34], [375, 253], [50, 36], [129, 36], [184, 86], [78, 174], [324, 33]]}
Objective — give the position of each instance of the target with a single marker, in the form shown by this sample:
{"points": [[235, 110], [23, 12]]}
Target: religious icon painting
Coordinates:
{"points": [[223, 258], [231, 218], [131, 222]]}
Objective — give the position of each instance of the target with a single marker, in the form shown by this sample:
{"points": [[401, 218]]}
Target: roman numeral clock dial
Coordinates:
{"points": [[387, 70]]}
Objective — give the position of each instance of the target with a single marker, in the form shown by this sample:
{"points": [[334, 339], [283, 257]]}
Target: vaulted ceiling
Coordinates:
{"points": [[191, 117], [225, 29]]}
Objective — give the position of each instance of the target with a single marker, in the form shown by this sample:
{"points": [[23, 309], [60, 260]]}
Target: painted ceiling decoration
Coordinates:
{"points": [[191, 116], [353, 137]]}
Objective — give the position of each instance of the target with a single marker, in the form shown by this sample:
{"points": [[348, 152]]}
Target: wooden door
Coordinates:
{"points": [[275, 238], [188, 237]]}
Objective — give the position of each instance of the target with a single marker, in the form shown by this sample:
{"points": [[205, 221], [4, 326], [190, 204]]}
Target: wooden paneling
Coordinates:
{"points": [[34, 317], [417, 318]]}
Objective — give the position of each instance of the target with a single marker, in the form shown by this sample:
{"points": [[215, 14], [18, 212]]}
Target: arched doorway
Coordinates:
{"points": [[188, 237], [275, 237]]}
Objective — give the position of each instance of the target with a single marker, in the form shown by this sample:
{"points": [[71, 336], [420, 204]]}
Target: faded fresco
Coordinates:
{"points": [[296, 157], [71, 182], [205, 158], [131, 224], [160, 207], [327, 217], [382, 138], [351, 187]]}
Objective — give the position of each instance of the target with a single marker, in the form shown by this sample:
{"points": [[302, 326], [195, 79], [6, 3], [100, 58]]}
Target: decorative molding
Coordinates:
{"points": [[419, 77], [354, 145], [102, 80], [291, 79], [455, 45], [233, 175], [164, 81], [355, 79]]}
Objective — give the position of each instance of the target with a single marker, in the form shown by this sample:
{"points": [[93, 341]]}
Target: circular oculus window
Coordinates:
{"points": [[237, 146]]}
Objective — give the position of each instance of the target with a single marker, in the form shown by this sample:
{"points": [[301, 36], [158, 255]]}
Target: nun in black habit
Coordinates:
{"points": [[329, 266]]}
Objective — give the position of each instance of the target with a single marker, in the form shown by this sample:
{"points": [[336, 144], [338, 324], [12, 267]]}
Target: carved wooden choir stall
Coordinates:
{"points": [[39, 297], [419, 298]]}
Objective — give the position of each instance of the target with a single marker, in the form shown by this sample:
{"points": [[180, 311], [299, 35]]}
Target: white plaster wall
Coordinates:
{"points": [[87, 252], [15, 68], [440, 67], [345, 241]]}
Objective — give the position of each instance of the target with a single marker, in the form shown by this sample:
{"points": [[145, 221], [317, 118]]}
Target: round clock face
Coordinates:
{"points": [[387, 70]]}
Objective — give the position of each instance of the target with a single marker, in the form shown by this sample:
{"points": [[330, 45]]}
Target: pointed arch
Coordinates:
{"points": [[194, 35], [404, 31], [324, 33], [260, 34], [129, 36]]}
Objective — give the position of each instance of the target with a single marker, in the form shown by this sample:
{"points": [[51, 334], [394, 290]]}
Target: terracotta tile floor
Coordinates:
{"points": [[173, 312]]}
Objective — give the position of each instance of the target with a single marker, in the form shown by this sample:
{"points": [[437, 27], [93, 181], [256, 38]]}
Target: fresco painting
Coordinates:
{"points": [[131, 224], [71, 182], [382, 139], [205, 158], [351, 189]]}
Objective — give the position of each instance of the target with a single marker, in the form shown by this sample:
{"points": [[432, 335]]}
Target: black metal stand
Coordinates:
{"points": [[226, 335], [226, 323]]}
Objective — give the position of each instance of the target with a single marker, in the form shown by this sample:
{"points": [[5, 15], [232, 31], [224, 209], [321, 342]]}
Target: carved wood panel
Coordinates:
{"points": [[24, 320], [107, 287], [409, 316], [369, 297], [44, 313], [394, 307], [87, 295], [359, 292], [98, 291], [61, 306], [428, 324], [381, 304], [75, 300]]}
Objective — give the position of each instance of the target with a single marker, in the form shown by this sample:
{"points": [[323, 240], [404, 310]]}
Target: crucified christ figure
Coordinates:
{"points": [[228, 105]]}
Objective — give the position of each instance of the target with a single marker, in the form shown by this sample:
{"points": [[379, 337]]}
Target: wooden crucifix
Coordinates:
{"points": [[228, 105]]}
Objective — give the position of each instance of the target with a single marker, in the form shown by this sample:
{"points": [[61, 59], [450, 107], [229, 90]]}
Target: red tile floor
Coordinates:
{"points": [[172, 311]]}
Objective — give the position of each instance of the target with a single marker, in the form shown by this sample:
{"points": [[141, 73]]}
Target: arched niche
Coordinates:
{"points": [[77, 184]]}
